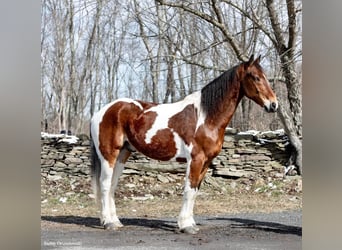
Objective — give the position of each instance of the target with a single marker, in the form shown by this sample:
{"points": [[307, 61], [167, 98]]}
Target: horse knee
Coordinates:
{"points": [[195, 177]]}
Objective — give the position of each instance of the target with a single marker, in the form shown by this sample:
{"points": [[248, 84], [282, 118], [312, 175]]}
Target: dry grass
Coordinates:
{"points": [[225, 197]]}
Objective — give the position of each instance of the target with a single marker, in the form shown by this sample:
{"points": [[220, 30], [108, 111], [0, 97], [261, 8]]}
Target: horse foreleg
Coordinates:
{"points": [[193, 178], [186, 222]]}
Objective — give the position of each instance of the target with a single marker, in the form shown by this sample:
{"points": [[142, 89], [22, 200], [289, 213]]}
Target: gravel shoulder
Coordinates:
{"points": [[281, 230], [244, 213]]}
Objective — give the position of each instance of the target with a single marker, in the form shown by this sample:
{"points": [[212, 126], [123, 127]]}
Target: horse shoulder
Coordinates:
{"points": [[209, 140]]}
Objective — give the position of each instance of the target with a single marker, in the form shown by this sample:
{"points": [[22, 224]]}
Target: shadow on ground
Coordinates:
{"points": [[167, 225], [262, 225], [93, 222]]}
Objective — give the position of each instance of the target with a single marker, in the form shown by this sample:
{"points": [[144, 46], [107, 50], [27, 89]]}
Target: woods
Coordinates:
{"points": [[94, 51]]}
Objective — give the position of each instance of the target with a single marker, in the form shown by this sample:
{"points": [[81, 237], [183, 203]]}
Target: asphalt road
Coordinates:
{"points": [[240, 231]]}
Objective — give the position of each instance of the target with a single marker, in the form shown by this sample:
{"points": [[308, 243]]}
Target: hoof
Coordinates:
{"points": [[112, 226], [190, 230], [196, 228], [109, 226], [118, 224]]}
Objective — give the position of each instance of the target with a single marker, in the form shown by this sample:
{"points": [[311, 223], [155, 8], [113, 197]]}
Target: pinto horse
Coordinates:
{"points": [[191, 131]]}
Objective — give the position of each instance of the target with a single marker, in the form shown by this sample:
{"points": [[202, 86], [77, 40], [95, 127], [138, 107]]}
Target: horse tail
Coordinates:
{"points": [[95, 169]]}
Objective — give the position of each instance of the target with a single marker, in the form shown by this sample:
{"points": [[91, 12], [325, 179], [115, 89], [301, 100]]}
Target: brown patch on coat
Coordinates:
{"points": [[140, 125], [162, 145], [111, 129], [184, 123]]}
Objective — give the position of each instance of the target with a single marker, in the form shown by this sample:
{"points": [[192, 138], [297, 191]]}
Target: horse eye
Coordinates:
{"points": [[257, 78]]}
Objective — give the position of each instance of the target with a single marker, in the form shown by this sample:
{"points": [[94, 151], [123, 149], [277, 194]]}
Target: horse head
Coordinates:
{"points": [[256, 86]]}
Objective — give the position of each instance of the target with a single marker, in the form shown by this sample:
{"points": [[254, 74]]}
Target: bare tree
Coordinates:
{"points": [[152, 55], [282, 32], [159, 50]]}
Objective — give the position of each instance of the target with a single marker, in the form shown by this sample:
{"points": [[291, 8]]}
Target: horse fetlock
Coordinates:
{"points": [[190, 230], [109, 226], [115, 225], [188, 221]]}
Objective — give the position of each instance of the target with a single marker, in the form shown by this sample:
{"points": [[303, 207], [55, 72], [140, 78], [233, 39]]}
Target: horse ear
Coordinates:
{"points": [[258, 59], [250, 61]]}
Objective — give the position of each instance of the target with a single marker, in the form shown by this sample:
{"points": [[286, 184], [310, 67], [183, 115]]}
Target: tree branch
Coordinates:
{"points": [[291, 12], [280, 45], [254, 18], [230, 38]]}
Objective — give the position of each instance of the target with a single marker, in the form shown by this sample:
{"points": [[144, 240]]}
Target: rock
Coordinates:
{"points": [[260, 182], [85, 143], [83, 137], [130, 171], [269, 135], [54, 177], [235, 160], [162, 179], [47, 162], [228, 173], [279, 175], [211, 182], [228, 144], [215, 162], [63, 199], [73, 160], [170, 178], [130, 185], [143, 198], [255, 158], [233, 185], [245, 151], [247, 137], [299, 187]]}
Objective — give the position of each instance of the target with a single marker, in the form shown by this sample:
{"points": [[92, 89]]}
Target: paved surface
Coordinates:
{"points": [[240, 231]]}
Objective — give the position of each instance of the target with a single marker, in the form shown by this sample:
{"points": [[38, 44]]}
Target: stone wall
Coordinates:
{"points": [[243, 155]]}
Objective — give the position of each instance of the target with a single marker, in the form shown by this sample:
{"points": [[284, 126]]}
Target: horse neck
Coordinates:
{"points": [[221, 117]]}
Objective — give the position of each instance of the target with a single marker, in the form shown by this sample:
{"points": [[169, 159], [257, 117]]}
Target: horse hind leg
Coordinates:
{"points": [[118, 168], [105, 185]]}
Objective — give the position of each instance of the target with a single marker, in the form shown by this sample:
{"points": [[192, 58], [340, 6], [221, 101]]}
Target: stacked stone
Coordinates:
{"points": [[60, 158], [242, 155], [249, 154]]}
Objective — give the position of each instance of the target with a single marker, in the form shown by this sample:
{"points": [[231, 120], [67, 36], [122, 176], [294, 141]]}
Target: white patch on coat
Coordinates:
{"points": [[166, 111]]}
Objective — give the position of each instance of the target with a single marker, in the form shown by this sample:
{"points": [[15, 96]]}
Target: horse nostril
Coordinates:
{"points": [[274, 105]]}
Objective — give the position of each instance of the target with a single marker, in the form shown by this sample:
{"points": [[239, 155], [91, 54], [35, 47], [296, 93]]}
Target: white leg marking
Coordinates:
{"points": [[105, 185], [117, 172], [185, 218]]}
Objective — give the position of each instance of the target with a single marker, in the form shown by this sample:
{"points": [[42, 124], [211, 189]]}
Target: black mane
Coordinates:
{"points": [[214, 92]]}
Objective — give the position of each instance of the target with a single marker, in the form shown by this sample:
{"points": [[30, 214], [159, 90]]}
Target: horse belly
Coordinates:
{"points": [[165, 145]]}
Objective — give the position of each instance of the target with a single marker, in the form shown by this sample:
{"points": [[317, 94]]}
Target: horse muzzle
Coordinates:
{"points": [[271, 106]]}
